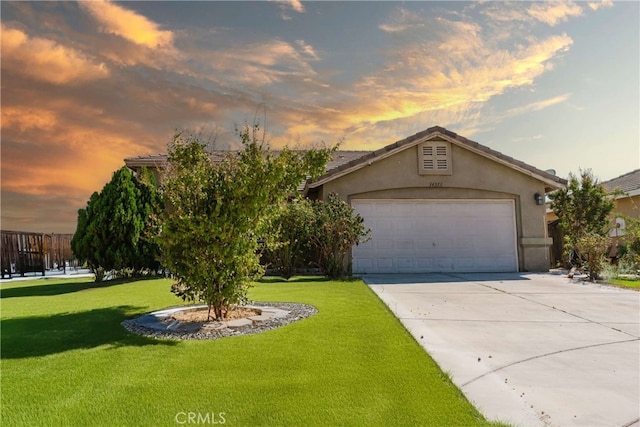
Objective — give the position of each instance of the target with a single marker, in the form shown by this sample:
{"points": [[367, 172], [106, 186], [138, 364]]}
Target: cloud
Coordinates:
{"points": [[403, 20], [128, 24], [79, 157], [554, 12], [597, 5], [307, 49], [448, 79], [250, 66], [295, 5], [286, 5], [550, 13], [537, 106], [46, 60]]}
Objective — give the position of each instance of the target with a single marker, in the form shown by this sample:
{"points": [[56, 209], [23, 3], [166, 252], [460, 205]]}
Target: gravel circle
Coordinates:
{"points": [[297, 312]]}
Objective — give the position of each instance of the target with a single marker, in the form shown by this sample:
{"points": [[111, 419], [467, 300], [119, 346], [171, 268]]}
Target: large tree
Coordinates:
{"points": [[217, 211], [114, 230], [583, 209]]}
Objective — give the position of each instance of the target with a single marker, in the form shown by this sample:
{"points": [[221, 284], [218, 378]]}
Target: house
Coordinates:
{"points": [[626, 190], [438, 202]]}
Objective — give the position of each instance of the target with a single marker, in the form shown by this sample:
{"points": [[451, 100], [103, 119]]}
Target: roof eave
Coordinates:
{"points": [[551, 182]]}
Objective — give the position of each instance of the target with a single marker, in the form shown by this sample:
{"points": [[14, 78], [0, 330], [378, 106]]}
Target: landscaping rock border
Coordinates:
{"points": [[157, 325]]}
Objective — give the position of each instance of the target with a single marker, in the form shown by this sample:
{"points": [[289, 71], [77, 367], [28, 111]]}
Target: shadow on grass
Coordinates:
{"points": [[294, 279], [45, 289], [45, 335]]}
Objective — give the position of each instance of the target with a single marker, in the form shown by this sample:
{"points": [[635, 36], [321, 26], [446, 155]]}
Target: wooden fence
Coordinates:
{"points": [[24, 252]]}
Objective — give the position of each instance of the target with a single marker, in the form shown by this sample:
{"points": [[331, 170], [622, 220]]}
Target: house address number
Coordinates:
{"points": [[435, 184]]}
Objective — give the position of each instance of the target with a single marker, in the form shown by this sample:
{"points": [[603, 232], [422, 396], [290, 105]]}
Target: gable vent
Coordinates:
{"points": [[434, 158]]}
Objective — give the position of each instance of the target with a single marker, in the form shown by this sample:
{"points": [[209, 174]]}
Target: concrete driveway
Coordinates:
{"points": [[527, 349]]}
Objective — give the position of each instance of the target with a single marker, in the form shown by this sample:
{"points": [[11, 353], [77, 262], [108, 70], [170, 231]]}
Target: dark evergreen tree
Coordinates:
{"points": [[114, 231]]}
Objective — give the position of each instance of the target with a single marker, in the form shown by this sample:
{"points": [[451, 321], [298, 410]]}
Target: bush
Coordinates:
{"points": [[335, 228], [592, 248], [315, 233], [289, 247]]}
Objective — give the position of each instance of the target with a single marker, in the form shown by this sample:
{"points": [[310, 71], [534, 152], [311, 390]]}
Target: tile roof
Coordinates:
{"points": [[338, 159], [345, 161], [628, 183]]}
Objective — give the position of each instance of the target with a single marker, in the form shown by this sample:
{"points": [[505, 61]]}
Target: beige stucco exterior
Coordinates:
{"points": [[473, 176], [627, 206]]}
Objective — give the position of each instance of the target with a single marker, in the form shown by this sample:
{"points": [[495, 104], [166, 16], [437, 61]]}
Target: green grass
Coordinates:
{"points": [[67, 361], [624, 283]]}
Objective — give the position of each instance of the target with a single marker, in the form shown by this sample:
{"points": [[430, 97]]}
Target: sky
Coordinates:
{"points": [[86, 84]]}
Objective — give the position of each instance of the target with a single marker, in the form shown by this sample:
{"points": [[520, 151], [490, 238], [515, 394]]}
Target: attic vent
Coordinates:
{"points": [[434, 158]]}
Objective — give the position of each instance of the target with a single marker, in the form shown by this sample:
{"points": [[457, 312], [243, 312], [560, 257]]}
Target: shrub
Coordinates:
{"points": [[592, 248], [583, 208], [289, 246], [334, 230]]}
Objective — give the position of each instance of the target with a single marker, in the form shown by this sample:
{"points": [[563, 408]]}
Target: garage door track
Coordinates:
{"points": [[527, 349]]}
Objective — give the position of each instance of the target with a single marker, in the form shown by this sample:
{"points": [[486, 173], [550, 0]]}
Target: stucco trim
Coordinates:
{"points": [[536, 241]]}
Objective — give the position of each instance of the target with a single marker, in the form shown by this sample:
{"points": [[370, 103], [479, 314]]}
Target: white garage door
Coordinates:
{"points": [[422, 236]]}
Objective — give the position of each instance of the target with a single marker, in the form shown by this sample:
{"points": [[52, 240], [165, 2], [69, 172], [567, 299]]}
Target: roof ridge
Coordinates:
{"points": [[622, 176]]}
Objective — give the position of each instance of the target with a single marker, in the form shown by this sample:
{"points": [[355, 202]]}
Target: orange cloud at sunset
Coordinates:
{"points": [[453, 83], [127, 24], [554, 12], [86, 84], [64, 159], [47, 60]]}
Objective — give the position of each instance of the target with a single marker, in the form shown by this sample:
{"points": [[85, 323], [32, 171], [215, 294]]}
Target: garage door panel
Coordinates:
{"points": [[424, 265], [432, 236], [384, 209], [404, 210], [405, 228], [463, 264], [405, 244], [363, 264], [384, 244], [444, 264], [384, 264], [405, 264], [423, 244]]}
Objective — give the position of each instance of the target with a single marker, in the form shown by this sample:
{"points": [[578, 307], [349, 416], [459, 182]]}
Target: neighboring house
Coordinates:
{"points": [[627, 203], [438, 202]]}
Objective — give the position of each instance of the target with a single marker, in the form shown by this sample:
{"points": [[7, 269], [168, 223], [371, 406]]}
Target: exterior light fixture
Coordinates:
{"points": [[539, 198]]}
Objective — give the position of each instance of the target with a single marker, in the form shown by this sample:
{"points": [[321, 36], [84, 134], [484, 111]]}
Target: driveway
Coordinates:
{"points": [[527, 349]]}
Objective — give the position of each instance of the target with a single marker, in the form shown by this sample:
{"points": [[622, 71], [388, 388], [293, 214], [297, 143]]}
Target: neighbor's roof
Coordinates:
{"points": [[158, 160], [367, 158], [629, 183]]}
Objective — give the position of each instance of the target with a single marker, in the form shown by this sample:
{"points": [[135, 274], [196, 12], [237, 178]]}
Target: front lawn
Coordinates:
{"points": [[625, 283], [66, 360]]}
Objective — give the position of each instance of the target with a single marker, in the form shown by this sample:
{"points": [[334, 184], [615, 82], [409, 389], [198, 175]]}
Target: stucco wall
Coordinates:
{"points": [[473, 177], [627, 206]]}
